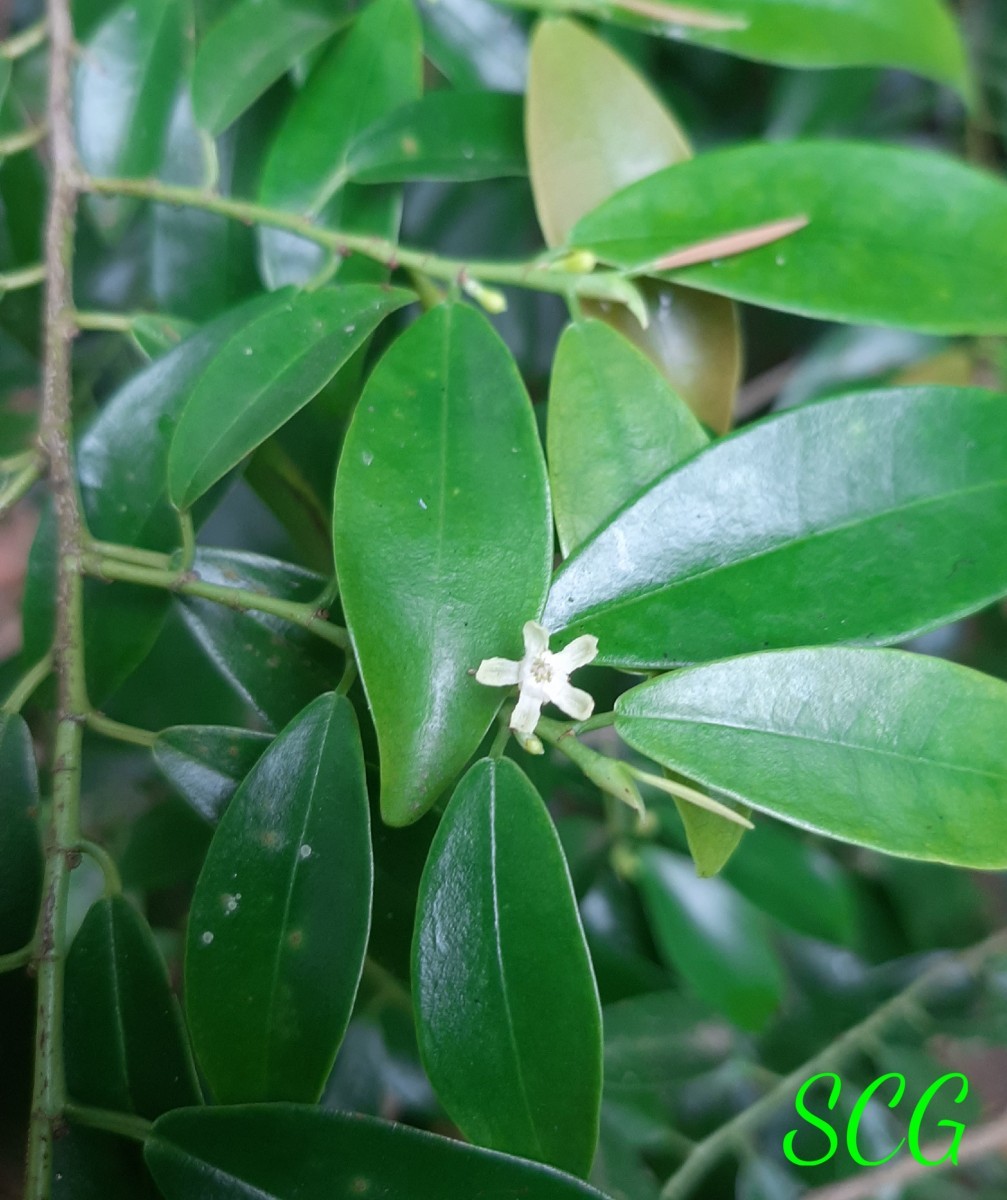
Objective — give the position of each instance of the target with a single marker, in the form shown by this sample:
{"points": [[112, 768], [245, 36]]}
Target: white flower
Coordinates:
{"points": [[543, 677]]}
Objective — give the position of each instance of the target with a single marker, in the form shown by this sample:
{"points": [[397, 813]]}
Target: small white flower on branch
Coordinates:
{"points": [[543, 677]]}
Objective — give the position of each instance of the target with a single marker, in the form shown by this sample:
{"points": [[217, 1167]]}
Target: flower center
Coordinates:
{"points": [[541, 670]]}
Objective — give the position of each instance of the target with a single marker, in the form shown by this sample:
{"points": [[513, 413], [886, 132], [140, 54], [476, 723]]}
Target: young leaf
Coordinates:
{"points": [[126, 1047], [894, 751], [21, 864], [250, 47], [370, 72], [892, 534], [506, 1004], [279, 920], [279, 1150], [614, 425], [206, 763], [716, 939], [917, 35], [127, 74], [882, 261], [462, 136], [576, 82], [262, 377], [442, 542]]}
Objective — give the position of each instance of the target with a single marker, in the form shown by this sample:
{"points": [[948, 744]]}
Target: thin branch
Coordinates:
{"points": [[537, 274], [19, 485], [26, 686], [131, 734], [240, 599], [122, 1124], [21, 277], [16, 959], [49, 1086], [106, 863], [24, 139], [712, 1148], [25, 41], [978, 1143]]}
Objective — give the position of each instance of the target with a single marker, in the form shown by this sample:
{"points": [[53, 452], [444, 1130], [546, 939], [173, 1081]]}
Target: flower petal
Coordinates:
{"points": [[580, 652], [573, 701], [536, 639], [497, 672], [526, 713]]}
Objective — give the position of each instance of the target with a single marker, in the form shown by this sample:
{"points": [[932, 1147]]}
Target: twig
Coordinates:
{"points": [[712, 1148], [538, 275], [27, 684], [24, 139], [49, 1086], [131, 734], [21, 277], [187, 583], [24, 42], [19, 485]]}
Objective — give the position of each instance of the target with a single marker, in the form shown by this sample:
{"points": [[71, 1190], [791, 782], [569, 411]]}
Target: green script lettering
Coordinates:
{"points": [[812, 1119]]}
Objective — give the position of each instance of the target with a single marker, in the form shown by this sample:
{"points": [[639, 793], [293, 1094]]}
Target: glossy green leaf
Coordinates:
{"points": [[462, 136], [128, 72], [577, 82], [166, 847], [475, 44], [917, 35], [155, 335], [895, 751], [126, 1047], [206, 763], [614, 426], [250, 47], [279, 921], [122, 467], [443, 544], [885, 262], [892, 534], [259, 379], [716, 939], [20, 846], [271, 1152], [91, 1165], [506, 1004], [306, 170], [275, 666]]}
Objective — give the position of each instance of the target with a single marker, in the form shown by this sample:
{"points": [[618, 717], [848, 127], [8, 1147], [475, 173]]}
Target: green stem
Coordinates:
{"points": [[25, 687], [98, 854], [122, 1124], [707, 1152], [240, 599], [22, 277], [103, 322], [536, 274], [187, 530], [56, 435], [598, 721], [16, 959], [24, 139], [19, 485], [131, 554], [119, 732], [25, 41]]}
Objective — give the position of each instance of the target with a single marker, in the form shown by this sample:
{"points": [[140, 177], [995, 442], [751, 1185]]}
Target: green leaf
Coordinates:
{"points": [[461, 136], [577, 82], [306, 170], [712, 839], [206, 763], [275, 666], [274, 1151], [506, 1004], [917, 35], [122, 467], [443, 544], [614, 426], [894, 751], [128, 72], [166, 848], [716, 939], [796, 882], [474, 44], [21, 865], [279, 921], [261, 378], [126, 1047], [250, 47], [884, 262], [893, 534]]}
